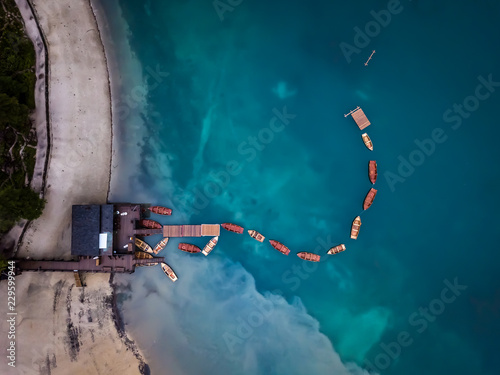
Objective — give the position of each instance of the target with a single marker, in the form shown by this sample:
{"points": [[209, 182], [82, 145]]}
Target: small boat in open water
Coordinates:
{"points": [[210, 246], [280, 247], [372, 171], [367, 141], [189, 248], [336, 249], [168, 271], [256, 235], [160, 245], [151, 224], [356, 224], [232, 227], [143, 245], [308, 256], [369, 198], [160, 210]]}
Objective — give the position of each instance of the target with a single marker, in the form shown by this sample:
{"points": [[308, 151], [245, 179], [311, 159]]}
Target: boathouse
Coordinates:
{"points": [[92, 230]]}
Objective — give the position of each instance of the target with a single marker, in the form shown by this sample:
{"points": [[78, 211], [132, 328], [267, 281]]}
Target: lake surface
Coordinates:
{"points": [[234, 112]]}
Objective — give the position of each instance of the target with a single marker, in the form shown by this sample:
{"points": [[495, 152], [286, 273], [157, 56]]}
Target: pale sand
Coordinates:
{"points": [[80, 123], [62, 329]]}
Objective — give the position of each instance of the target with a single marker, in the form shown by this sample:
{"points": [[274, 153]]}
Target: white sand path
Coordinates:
{"points": [[80, 123]]}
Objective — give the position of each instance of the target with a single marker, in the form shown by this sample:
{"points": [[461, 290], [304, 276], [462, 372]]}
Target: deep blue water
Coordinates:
{"points": [[207, 140]]}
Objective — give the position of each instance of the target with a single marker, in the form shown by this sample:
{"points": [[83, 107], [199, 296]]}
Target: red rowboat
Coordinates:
{"points": [[160, 210], [147, 223], [189, 248], [280, 247], [308, 256], [369, 198], [372, 171], [232, 227]]}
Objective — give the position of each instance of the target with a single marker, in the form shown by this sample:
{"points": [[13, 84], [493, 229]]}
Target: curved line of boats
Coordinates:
{"points": [[147, 251]]}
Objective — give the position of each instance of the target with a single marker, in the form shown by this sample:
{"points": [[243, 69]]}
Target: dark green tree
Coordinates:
{"points": [[18, 203]]}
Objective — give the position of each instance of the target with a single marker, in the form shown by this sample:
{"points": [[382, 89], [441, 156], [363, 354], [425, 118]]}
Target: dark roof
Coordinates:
{"points": [[86, 224], [107, 218]]}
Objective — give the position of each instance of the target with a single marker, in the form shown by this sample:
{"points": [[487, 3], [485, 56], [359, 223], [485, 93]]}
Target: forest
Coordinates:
{"points": [[17, 133]]}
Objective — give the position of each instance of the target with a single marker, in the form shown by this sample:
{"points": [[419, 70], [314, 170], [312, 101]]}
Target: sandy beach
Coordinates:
{"points": [[80, 122], [60, 328]]}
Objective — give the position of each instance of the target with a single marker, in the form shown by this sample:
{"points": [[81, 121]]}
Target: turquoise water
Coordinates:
{"points": [[201, 104]]}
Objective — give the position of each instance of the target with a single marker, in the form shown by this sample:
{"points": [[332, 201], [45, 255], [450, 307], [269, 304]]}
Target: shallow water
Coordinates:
{"points": [[241, 120]]}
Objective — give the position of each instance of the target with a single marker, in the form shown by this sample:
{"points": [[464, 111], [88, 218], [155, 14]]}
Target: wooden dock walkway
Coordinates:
{"points": [[191, 230], [118, 263]]}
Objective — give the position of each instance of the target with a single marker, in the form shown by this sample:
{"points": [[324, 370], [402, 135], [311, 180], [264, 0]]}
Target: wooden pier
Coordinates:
{"points": [[191, 230], [359, 117], [118, 264]]}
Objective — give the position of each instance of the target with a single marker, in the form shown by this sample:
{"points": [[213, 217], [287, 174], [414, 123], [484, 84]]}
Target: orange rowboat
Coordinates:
{"points": [[336, 249], [210, 246], [143, 245], [367, 141], [160, 245], [308, 256], [369, 198], [256, 235], [356, 224], [168, 271]]}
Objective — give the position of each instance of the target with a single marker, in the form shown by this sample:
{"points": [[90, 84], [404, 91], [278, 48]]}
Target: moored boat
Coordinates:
{"points": [[210, 245], [143, 255], [148, 223], [160, 245], [143, 245], [336, 249], [372, 171], [369, 198], [160, 210], [308, 256], [356, 224], [232, 227], [367, 141], [168, 271], [189, 247], [280, 247], [256, 235]]}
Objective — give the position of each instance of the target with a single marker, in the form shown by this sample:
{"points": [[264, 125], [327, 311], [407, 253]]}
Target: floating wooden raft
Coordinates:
{"points": [[359, 116], [191, 230]]}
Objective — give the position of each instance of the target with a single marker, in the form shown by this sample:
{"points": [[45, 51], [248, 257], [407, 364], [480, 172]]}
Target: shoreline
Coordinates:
{"points": [[77, 171]]}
